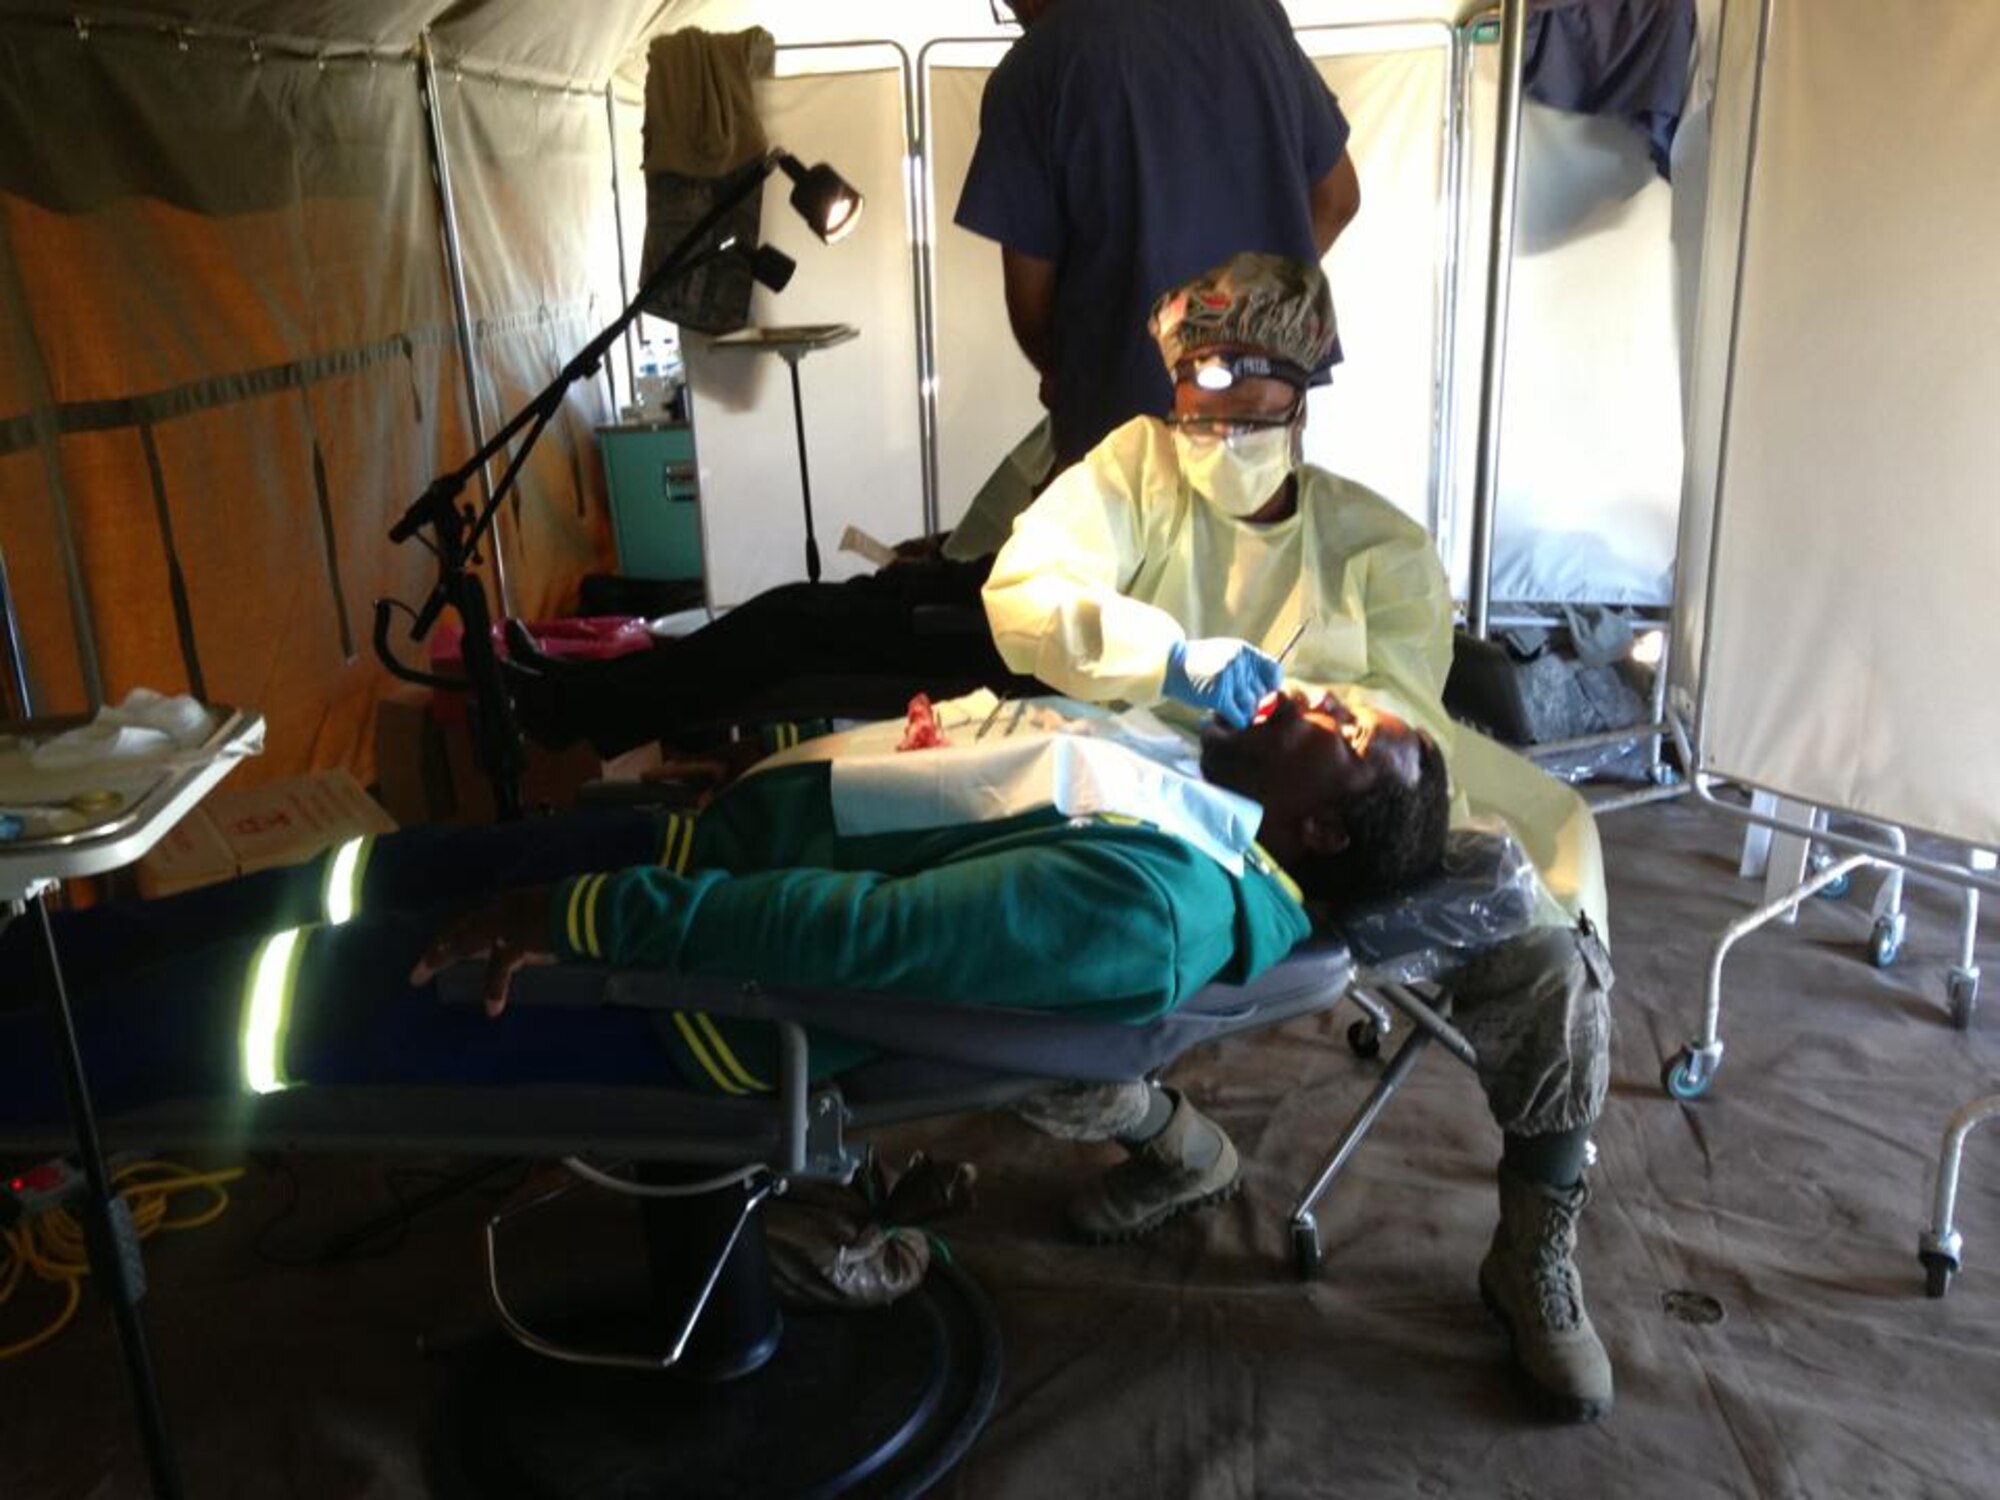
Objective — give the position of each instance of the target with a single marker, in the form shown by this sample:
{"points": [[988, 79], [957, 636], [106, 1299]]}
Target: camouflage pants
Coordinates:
{"points": [[1537, 1012], [1087, 1111]]}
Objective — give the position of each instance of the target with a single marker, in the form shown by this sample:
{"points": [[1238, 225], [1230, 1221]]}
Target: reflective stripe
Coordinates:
{"points": [[678, 843], [742, 1074], [590, 916], [576, 895], [722, 1080], [267, 1011], [345, 867]]}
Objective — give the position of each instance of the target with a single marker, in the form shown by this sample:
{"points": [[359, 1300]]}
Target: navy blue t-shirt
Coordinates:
{"points": [[1137, 143]]}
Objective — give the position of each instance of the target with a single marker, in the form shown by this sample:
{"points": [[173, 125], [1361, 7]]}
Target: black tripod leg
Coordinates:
{"points": [[115, 1264]]}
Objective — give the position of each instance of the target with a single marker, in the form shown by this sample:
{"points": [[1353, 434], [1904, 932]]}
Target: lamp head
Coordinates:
{"points": [[772, 267], [824, 199]]}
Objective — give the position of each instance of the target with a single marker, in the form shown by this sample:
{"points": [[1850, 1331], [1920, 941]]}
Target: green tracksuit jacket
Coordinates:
{"points": [[1100, 916]]}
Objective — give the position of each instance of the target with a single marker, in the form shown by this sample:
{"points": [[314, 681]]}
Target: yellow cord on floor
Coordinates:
{"points": [[53, 1246]]}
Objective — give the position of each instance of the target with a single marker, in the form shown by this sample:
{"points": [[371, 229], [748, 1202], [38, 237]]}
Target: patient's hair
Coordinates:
{"points": [[1395, 832]]}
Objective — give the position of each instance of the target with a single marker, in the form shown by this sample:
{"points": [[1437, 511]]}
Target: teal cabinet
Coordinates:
{"points": [[649, 470]]}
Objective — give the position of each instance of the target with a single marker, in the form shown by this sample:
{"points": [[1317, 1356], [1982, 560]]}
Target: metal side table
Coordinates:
{"points": [[793, 345], [32, 864]]}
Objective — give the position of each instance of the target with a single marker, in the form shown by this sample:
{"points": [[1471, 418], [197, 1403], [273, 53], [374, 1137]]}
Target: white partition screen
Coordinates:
{"points": [[860, 398], [1851, 635], [1590, 454], [1377, 421], [985, 386]]}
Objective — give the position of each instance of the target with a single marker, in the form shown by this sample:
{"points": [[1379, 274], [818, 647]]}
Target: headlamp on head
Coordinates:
{"points": [[1219, 371]]}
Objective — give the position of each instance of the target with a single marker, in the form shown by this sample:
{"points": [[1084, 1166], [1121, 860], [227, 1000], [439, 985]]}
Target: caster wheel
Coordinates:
{"points": [[1939, 1268], [1305, 1250], [1886, 941], [1684, 1076], [1363, 1040], [1962, 994]]}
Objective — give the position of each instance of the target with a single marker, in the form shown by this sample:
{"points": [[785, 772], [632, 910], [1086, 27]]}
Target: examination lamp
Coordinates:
{"points": [[767, 264], [823, 198], [772, 267]]}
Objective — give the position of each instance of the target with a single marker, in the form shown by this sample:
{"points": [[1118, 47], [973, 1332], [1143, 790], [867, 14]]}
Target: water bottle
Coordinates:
{"points": [[651, 388]]}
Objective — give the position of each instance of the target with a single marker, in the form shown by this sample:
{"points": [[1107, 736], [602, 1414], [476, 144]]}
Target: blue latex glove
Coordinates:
{"points": [[1228, 676]]}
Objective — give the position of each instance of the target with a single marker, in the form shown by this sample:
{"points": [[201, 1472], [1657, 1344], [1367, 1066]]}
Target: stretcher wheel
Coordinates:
{"points": [[1961, 990], [1939, 1268], [1363, 1040], [1836, 889], [1684, 1076], [1305, 1249], [1885, 942]]}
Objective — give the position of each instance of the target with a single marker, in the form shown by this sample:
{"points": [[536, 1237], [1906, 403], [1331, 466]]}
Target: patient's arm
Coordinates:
{"points": [[1124, 922]]}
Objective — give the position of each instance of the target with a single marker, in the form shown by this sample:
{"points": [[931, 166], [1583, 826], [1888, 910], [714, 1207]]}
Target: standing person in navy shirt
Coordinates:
{"points": [[1125, 146]]}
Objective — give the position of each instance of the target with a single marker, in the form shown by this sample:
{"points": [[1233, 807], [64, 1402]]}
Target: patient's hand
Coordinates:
{"points": [[509, 932], [708, 774]]}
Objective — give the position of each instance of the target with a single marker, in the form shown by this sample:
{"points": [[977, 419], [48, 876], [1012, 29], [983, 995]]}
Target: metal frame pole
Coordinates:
{"points": [[792, 358], [1499, 287], [618, 230], [1729, 388], [460, 303]]}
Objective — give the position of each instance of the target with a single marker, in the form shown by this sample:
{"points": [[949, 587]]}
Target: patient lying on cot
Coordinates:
{"points": [[1067, 859]]}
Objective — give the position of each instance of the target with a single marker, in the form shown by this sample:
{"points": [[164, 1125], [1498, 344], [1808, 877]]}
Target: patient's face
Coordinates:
{"points": [[1306, 755]]}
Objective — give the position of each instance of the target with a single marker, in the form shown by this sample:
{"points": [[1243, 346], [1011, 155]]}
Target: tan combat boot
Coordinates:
{"points": [[1529, 1282], [1191, 1163]]}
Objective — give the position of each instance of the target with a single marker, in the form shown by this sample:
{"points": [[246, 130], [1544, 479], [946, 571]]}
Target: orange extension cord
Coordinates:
{"points": [[52, 1246]]}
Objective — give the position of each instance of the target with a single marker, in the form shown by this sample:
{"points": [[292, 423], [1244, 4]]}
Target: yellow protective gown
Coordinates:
{"points": [[1119, 559]]}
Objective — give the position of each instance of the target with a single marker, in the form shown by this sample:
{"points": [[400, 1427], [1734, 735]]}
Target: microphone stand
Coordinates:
{"points": [[452, 531]]}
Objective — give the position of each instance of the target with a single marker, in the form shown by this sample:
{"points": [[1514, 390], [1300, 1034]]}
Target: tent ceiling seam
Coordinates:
{"points": [[170, 31], [257, 45]]}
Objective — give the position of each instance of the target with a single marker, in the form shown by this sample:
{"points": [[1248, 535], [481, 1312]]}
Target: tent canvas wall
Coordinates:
{"points": [[238, 345]]}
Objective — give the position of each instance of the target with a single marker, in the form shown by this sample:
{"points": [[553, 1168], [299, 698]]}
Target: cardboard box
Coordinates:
{"points": [[236, 831], [412, 776]]}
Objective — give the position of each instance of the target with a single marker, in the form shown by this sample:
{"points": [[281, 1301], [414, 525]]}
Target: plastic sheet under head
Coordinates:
{"points": [[1486, 893]]}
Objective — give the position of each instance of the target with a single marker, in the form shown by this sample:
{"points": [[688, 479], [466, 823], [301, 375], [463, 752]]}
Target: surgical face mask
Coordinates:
{"points": [[1238, 475]]}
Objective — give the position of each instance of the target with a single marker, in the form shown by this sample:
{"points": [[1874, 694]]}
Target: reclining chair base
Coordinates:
{"points": [[813, 1403]]}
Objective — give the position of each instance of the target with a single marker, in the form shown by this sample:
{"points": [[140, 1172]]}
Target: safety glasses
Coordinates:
{"points": [[1202, 424]]}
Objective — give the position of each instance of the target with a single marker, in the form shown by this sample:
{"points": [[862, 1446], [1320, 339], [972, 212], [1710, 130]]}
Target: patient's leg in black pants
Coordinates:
{"points": [[416, 869], [162, 990], [922, 623], [337, 1008]]}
